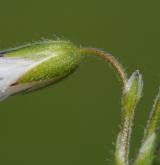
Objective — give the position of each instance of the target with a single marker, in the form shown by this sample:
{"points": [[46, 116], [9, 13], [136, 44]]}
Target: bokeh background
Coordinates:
{"points": [[76, 121]]}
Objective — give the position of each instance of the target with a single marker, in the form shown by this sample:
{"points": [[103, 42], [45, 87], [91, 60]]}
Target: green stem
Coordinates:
{"points": [[109, 58], [131, 95]]}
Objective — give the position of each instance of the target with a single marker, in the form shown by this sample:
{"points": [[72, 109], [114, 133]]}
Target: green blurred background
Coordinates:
{"points": [[76, 121]]}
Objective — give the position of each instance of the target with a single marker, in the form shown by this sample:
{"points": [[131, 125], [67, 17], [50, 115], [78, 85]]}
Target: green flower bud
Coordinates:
{"points": [[131, 95], [132, 91], [36, 65]]}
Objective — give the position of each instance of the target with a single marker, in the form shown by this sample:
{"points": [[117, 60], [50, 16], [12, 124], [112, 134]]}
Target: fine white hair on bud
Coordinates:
{"points": [[36, 65]]}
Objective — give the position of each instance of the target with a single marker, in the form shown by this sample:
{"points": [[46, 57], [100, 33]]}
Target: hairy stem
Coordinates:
{"points": [[109, 58]]}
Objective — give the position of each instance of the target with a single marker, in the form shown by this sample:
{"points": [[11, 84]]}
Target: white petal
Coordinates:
{"points": [[10, 70]]}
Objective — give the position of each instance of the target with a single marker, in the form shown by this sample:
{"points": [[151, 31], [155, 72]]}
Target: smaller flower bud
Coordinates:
{"points": [[132, 91], [131, 95], [36, 65]]}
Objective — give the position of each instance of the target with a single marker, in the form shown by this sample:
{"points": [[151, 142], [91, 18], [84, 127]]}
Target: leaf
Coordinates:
{"points": [[147, 152]]}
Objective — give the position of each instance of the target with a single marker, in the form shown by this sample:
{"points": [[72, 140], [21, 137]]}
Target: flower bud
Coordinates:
{"points": [[36, 65], [132, 91], [131, 95]]}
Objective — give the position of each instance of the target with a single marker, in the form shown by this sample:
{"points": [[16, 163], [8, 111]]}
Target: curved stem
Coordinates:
{"points": [[109, 58]]}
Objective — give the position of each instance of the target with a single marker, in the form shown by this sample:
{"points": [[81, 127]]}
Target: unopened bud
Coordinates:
{"points": [[36, 65]]}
